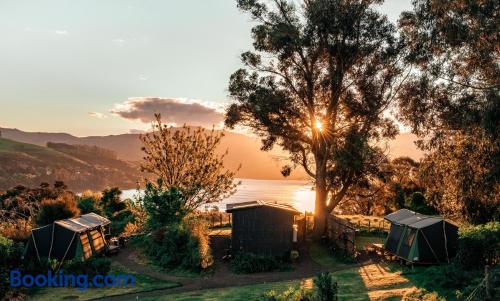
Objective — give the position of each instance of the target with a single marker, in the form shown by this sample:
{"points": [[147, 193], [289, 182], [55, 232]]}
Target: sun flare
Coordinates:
{"points": [[304, 199], [318, 125]]}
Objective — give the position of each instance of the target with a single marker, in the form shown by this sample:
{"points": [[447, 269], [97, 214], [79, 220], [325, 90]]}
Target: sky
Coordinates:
{"points": [[100, 67]]}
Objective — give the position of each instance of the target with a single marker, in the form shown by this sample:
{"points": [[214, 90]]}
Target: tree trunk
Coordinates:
{"points": [[320, 210]]}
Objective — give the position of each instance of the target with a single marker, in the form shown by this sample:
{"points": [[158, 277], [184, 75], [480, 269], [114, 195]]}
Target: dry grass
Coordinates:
{"points": [[365, 221], [382, 284]]}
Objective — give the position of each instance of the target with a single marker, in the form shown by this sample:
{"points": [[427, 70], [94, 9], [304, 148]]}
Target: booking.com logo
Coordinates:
{"points": [[80, 281]]}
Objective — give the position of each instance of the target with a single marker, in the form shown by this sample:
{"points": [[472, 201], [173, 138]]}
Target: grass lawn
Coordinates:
{"points": [[375, 282], [321, 255], [142, 283], [362, 241], [351, 287]]}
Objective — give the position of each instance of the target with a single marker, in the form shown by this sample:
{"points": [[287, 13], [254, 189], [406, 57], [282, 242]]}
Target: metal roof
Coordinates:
{"points": [[255, 204], [83, 223], [412, 219]]}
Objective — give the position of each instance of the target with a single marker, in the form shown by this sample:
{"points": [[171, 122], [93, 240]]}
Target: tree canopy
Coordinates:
{"points": [[317, 84], [452, 101], [185, 159]]}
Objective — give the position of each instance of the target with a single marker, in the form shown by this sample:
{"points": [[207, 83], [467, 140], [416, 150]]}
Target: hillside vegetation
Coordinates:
{"points": [[80, 167]]}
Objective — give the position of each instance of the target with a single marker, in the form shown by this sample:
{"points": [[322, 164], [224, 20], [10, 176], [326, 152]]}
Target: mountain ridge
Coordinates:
{"points": [[242, 150]]}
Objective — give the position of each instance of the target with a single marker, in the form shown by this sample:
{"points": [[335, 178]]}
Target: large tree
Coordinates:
{"points": [[452, 101], [317, 84], [185, 159]]}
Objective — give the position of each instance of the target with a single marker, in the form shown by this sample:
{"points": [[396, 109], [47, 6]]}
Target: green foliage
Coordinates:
{"points": [[89, 204], [478, 245], [10, 258], [64, 206], [111, 201], [327, 288], [92, 266], [248, 263], [163, 206], [175, 247], [418, 203], [422, 295], [293, 293]]}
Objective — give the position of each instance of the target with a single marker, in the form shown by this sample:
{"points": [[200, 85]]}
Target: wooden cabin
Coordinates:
{"points": [[263, 228]]}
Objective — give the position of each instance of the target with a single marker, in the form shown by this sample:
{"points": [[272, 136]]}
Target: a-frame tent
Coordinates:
{"points": [[74, 238], [419, 238]]}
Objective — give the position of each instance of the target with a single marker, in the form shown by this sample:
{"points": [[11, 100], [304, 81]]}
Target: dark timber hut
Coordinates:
{"points": [[74, 238], [264, 228], [419, 238]]}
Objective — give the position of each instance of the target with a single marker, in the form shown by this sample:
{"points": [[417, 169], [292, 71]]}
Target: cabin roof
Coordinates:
{"points": [[83, 223], [256, 204]]}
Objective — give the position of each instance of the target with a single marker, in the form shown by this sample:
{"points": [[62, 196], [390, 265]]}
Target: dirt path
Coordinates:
{"points": [[221, 278]]}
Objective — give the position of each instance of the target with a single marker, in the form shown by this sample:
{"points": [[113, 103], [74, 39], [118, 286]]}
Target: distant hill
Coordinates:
{"points": [[244, 150], [80, 167]]}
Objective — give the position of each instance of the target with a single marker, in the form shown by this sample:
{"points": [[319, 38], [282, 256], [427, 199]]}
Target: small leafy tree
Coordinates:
{"points": [[186, 159], [327, 287], [163, 206], [64, 206]]}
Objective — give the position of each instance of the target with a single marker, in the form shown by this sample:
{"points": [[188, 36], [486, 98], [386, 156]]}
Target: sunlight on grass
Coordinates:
{"points": [[362, 241], [382, 283]]}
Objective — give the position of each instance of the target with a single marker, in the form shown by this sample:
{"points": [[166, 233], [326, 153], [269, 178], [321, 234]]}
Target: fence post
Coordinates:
{"points": [[220, 215], [487, 282], [369, 227]]}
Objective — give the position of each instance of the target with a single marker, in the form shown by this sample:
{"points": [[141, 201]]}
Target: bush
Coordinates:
{"points": [[327, 288], [10, 258], [183, 245], [248, 263], [291, 294], [477, 245], [64, 206], [92, 266], [88, 204], [418, 203], [422, 295]]}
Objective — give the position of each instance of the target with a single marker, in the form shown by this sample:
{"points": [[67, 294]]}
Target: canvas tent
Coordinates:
{"points": [[74, 238], [419, 238]]}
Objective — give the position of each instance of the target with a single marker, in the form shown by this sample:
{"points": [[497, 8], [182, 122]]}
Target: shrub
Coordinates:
{"points": [[477, 245], [327, 288], [92, 266], [247, 263], [183, 245], [10, 258], [418, 203], [64, 206], [88, 204], [291, 294], [422, 295]]}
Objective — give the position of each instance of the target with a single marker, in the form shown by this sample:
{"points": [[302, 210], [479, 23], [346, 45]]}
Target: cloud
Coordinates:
{"points": [[98, 115], [174, 111], [137, 131], [61, 32], [118, 40]]}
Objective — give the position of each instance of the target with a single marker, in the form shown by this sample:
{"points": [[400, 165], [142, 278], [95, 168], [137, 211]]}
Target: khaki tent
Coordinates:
{"points": [[75, 238], [419, 238]]}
